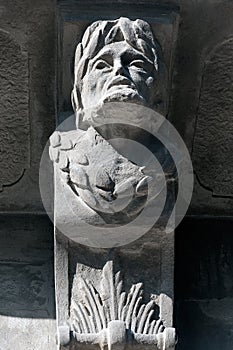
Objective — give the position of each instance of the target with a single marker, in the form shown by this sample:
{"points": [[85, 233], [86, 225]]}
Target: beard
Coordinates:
{"points": [[112, 104], [119, 93]]}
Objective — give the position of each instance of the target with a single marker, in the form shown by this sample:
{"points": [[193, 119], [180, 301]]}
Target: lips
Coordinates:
{"points": [[120, 85], [123, 95], [123, 91], [122, 81], [121, 88]]}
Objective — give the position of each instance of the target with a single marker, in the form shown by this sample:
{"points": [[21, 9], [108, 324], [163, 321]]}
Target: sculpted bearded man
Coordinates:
{"points": [[116, 62]]}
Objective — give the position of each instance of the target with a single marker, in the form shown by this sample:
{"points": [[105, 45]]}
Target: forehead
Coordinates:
{"points": [[120, 49]]}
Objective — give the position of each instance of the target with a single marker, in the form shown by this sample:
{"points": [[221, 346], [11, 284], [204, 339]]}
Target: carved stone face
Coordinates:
{"points": [[118, 73]]}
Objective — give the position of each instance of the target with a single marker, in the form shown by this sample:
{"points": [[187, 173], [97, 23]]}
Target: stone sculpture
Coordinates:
{"points": [[116, 62]]}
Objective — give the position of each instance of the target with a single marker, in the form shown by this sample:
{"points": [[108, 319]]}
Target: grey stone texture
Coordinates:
{"points": [[83, 172], [213, 138], [204, 315], [156, 274], [202, 73], [116, 62], [28, 74], [105, 314], [27, 308], [15, 129], [205, 33], [204, 26], [203, 251], [200, 69], [74, 18]]}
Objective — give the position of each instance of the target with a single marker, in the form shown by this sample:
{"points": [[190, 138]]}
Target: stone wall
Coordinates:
{"points": [[204, 284], [202, 104], [27, 310], [27, 42], [201, 109]]}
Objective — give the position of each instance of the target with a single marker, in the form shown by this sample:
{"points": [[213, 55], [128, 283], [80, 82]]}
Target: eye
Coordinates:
{"points": [[101, 64], [138, 64]]}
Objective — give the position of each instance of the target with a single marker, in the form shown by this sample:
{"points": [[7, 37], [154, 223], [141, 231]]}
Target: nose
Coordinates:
{"points": [[119, 68]]}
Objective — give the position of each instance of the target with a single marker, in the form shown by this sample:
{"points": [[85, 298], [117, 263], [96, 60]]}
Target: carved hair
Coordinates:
{"points": [[136, 33]]}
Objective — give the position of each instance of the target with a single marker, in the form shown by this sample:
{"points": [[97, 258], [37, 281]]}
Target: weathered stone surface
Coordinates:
{"points": [[204, 257], [31, 26], [147, 261], [212, 151], [117, 61], [204, 203], [203, 284], [27, 333], [95, 182], [205, 324], [73, 20], [26, 258], [204, 23], [27, 310], [24, 287], [103, 313], [196, 40], [14, 100]]}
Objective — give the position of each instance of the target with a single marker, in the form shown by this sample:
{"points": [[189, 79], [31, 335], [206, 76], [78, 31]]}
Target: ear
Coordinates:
{"points": [[77, 107], [74, 101]]}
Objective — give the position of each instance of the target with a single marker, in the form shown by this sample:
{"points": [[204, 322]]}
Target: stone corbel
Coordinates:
{"points": [[100, 188]]}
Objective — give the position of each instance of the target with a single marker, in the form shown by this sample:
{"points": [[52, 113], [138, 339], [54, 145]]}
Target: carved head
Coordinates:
{"points": [[116, 61]]}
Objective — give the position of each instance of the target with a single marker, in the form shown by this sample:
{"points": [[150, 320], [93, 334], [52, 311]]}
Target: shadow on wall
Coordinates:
{"points": [[204, 284], [26, 266]]}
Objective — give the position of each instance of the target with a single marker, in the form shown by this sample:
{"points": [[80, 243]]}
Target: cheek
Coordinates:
{"points": [[99, 80], [141, 80], [90, 91], [88, 85], [136, 77]]}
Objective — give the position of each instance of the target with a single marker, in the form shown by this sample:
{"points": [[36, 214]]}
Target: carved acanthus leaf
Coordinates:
{"points": [[95, 310]]}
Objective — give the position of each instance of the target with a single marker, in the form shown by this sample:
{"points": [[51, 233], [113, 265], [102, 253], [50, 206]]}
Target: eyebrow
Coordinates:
{"points": [[108, 53], [135, 54], [104, 56]]}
